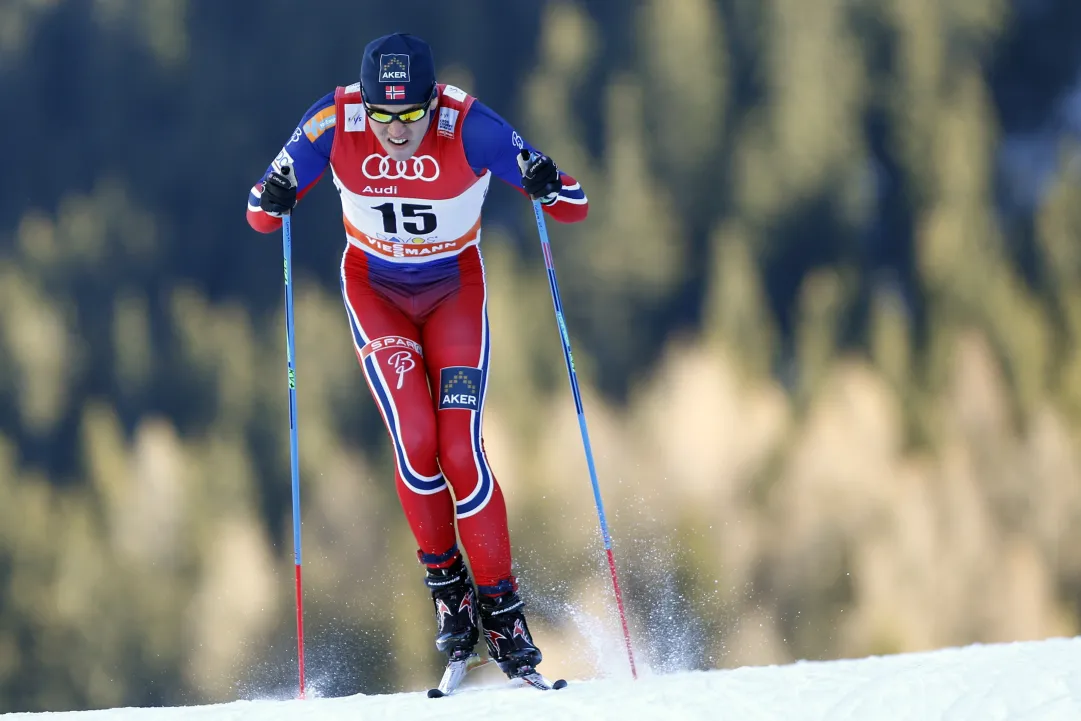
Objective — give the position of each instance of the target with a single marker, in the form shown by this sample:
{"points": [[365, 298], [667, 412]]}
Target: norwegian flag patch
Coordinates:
{"points": [[395, 92]]}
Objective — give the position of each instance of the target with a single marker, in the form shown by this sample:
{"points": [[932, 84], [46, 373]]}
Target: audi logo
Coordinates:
{"points": [[421, 167]]}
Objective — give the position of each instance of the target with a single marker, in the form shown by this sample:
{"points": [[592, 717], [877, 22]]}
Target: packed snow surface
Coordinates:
{"points": [[1029, 681]]}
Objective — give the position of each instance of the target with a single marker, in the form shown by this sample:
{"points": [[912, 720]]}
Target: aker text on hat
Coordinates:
{"points": [[394, 68]]}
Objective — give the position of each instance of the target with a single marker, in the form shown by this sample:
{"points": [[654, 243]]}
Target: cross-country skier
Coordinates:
{"points": [[411, 159]]}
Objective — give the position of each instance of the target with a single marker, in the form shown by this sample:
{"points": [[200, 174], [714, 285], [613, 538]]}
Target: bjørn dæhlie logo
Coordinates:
{"points": [[394, 68], [459, 387], [402, 362]]}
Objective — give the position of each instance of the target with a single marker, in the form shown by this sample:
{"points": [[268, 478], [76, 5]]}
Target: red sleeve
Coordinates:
{"points": [[571, 205], [259, 220]]}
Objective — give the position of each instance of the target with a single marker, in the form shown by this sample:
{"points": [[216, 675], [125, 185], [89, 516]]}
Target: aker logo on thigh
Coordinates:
{"points": [[459, 387]]}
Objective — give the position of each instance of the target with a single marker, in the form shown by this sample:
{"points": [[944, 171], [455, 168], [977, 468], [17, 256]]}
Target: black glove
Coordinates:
{"points": [[540, 177], [279, 192]]}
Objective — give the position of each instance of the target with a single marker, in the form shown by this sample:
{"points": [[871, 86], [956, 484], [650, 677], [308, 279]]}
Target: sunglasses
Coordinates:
{"points": [[406, 116]]}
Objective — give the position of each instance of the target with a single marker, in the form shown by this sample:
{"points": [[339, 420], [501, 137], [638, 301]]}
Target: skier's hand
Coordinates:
{"points": [[540, 177], [279, 192]]}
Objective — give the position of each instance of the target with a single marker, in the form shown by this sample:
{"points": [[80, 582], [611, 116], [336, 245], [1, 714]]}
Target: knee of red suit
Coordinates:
{"points": [[457, 457], [419, 440]]}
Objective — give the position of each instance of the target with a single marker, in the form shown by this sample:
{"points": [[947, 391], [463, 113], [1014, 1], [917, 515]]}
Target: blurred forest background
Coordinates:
{"points": [[826, 310]]}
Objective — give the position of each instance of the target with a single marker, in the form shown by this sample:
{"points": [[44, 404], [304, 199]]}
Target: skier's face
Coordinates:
{"points": [[400, 139]]}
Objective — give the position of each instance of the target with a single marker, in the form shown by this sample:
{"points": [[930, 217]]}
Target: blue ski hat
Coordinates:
{"points": [[397, 69]]}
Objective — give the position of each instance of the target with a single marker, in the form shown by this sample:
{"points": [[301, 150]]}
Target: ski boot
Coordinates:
{"points": [[453, 596], [507, 636]]}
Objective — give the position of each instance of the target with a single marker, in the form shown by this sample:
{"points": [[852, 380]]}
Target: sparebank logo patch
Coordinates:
{"points": [[459, 387]]}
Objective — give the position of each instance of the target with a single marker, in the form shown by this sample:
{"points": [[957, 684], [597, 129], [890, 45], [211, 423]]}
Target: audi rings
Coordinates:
{"points": [[420, 167]]}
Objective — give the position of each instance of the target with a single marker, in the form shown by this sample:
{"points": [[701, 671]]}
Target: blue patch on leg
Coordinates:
{"points": [[459, 387]]}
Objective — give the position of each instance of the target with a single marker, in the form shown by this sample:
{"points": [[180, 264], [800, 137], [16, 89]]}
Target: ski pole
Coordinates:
{"points": [[287, 248], [546, 249]]}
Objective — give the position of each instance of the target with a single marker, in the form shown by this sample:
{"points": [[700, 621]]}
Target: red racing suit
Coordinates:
{"points": [[412, 279]]}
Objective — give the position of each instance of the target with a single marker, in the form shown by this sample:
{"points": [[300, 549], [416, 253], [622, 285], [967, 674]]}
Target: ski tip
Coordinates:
{"points": [[435, 693], [561, 683]]}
